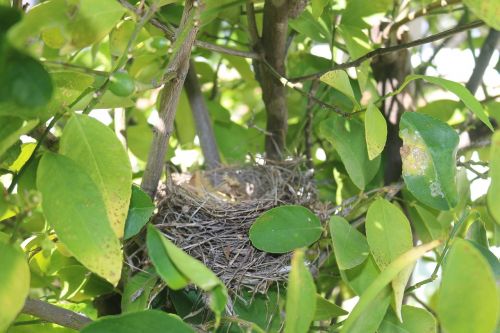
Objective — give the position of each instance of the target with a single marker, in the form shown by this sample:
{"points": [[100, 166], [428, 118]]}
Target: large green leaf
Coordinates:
{"points": [[468, 297], [14, 282], [349, 245], [372, 294], [74, 207], [140, 210], [98, 151], [149, 321], [11, 129], [300, 296], [26, 81], [348, 138], [463, 93], [429, 155], [415, 320], [285, 228], [186, 269], [493, 198], [486, 10], [389, 235], [375, 131]]}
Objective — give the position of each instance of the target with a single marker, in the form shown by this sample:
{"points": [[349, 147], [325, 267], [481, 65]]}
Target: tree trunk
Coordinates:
{"points": [[177, 67]]}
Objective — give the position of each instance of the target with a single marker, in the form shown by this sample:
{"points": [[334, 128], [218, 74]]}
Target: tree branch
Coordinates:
{"points": [[178, 65], [202, 119], [390, 49], [489, 46], [55, 314]]}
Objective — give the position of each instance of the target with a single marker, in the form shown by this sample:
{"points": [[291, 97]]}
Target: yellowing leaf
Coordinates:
{"points": [[468, 298], [74, 207], [375, 131], [389, 235], [98, 151], [14, 283], [486, 10], [300, 296]]}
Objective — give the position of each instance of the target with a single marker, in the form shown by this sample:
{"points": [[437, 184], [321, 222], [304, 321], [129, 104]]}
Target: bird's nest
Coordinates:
{"points": [[211, 223]]}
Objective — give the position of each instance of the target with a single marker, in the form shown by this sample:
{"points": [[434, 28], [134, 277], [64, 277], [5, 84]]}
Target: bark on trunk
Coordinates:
{"points": [[169, 99]]}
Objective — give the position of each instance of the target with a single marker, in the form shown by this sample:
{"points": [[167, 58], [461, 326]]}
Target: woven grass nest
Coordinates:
{"points": [[211, 223]]}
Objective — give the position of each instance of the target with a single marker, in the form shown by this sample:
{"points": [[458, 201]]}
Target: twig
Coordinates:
{"points": [[55, 314], [489, 46], [390, 49]]}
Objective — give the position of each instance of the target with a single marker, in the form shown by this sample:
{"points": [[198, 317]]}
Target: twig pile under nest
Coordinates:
{"points": [[211, 223]]}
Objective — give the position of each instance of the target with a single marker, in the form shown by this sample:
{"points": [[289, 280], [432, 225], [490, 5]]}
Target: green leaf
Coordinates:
{"points": [[11, 129], [74, 207], [468, 297], [372, 294], [149, 321], [14, 282], [442, 109], [300, 297], [433, 227], [415, 320], [311, 27], [140, 210], [8, 17], [285, 228], [181, 268], [463, 93], [339, 80], [429, 154], [493, 197], [326, 310], [27, 81], [157, 250], [348, 138], [137, 290], [349, 245], [389, 235], [98, 151], [375, 131], [486, 10]]}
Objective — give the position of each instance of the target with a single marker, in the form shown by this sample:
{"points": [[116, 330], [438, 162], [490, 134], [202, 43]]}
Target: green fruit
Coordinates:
{"points": [[159, 43], [121, 84]]}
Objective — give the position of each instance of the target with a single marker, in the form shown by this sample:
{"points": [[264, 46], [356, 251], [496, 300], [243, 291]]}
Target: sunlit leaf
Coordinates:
{"points": [[300, 296], [486, 10], [285, 228], [149, 321], [74, 207], [375, 131], [98, 151], [372, 294], [429, 155], [14, 282], [349, 245], [468, 297], [389, 235], [339, 80]]}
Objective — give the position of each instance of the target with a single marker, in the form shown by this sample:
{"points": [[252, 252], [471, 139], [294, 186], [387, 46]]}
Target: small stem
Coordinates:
{"points": [[446, 248]]}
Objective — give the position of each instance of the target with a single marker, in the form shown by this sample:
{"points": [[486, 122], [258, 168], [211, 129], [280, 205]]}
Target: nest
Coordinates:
{"points": [[211, 223]]}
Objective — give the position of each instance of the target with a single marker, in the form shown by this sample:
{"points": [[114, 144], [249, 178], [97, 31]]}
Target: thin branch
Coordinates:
{"points": [[489, 46], [54, 314], [385, 50], [419, 13]]}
